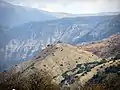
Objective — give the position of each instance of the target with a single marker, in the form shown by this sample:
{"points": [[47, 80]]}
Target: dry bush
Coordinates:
{"points": [[36, 81]]}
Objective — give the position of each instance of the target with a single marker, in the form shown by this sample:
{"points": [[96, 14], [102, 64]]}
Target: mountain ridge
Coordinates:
{"points": [[67, 66], [23, 46], [108, 48], [10, 13]]}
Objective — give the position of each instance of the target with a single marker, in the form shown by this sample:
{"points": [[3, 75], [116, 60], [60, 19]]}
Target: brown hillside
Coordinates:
{"points": [[58, 67], [56, 60], [108, 48]]}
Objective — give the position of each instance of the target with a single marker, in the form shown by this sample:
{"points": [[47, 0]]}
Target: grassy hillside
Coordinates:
{"points": [[109, 48], [65, 67], [99, 77]]}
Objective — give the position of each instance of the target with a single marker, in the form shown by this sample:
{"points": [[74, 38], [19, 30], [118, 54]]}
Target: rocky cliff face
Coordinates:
{"points": [[27, 40]]}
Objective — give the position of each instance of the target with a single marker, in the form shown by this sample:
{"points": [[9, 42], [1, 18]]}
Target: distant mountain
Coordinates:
{"points": [[27, 40], [100, 14], [70, 15], [12, 15], [102, 30], [64, 15]]}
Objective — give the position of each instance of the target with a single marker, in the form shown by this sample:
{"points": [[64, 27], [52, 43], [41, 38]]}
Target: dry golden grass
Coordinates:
{"points": [[108, 48]]}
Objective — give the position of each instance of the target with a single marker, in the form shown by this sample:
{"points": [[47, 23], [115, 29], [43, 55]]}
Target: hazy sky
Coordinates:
{"points": [[73, 6]]}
